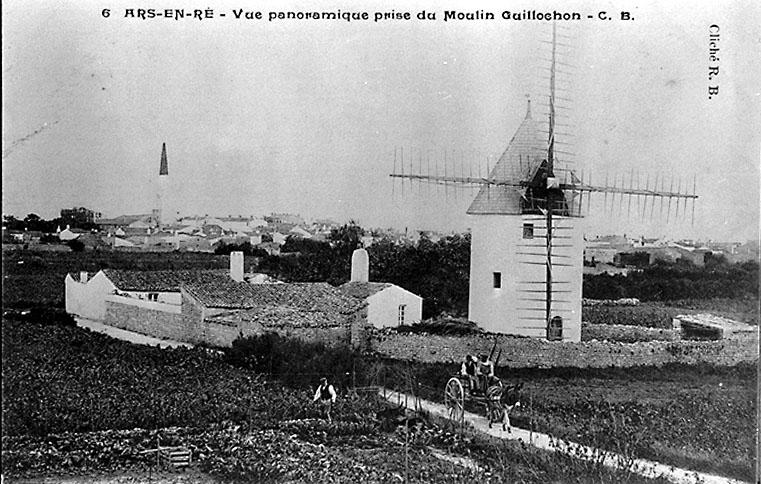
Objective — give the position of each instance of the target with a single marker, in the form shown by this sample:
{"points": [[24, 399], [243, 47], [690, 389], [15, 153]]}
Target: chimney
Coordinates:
{"points": [[360, 266], [236, 266], [83, 276]]}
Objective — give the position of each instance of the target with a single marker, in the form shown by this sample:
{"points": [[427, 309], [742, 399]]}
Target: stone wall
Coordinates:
{"points": [[520, 352], [626, 333], [188, 323], [219, 334], [339, 336], [143, 319]]}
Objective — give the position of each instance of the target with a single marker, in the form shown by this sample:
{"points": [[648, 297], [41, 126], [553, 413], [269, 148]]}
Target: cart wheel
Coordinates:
{"points": [[454, 400]]}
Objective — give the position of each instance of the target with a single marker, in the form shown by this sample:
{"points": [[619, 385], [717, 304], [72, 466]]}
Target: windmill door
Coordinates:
{"points": [[555, 329]]}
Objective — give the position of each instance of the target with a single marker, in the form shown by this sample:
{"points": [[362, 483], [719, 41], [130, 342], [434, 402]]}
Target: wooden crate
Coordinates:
{"points": [[175, 456]]}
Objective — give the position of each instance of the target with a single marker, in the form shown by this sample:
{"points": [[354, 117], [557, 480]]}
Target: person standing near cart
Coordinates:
{"points": [[485, 372], [469, 369], [325, 396]]}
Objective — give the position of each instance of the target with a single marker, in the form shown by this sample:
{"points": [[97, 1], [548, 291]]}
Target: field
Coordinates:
{"points": [[700, 418], [660, 314], [79, 403]]}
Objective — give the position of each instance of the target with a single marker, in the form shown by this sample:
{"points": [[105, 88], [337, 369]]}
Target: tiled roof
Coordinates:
{"points": [[161, 281], [518, 163], [275, 317], [363, 290], [315, 296]]}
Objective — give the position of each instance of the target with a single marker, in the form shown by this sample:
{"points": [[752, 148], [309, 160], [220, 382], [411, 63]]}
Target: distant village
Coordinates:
{"points": [[609, 253], [165, 229], [144, 232]]}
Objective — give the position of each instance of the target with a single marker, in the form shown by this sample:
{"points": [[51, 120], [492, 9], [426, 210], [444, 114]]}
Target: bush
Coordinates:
{"points": [[295, 362], [245, 247], [445, 327], [42, 315], [667, 282], [76, 245]]}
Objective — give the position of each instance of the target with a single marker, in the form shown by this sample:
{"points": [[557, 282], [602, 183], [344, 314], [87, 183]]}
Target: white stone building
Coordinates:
{"points": [[388, 305]]}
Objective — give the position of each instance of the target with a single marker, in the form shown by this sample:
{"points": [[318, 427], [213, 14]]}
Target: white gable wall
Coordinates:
{"points": [[383, 307], [88, 299], [496, 246]]}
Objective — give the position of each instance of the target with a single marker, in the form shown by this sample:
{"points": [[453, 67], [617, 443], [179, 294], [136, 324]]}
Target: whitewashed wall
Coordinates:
{"points": [[496, 244], [88, 299], [383, 307]]}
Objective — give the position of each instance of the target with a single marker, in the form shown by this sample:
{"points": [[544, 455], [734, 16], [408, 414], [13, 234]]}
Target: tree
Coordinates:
{"points": [[347, 238], [12, 223], [712, 260], [304, 246], [222, 248], [76, 245]]}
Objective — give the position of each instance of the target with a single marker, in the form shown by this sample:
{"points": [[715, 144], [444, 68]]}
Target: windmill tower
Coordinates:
{"points": [[526, 243]]}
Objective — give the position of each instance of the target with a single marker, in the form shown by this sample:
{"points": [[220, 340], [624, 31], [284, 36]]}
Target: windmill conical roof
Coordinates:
{"points": [[524, 154]]}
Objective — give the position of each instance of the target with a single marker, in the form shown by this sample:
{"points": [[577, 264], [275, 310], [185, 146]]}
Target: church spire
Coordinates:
{"points": [[164, 169]]}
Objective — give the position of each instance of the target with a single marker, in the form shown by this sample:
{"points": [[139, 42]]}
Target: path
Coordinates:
{"points": [[646, 468], [130, 336]]}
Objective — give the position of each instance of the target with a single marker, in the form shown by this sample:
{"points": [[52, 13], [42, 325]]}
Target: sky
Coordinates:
{"points": [[308, 116]]}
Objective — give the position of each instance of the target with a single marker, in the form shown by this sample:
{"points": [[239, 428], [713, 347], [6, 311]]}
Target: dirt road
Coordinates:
{"points": [[642, 467]]}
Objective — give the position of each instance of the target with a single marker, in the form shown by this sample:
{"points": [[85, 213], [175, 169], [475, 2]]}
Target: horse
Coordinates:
{"points": [[500, 402]]}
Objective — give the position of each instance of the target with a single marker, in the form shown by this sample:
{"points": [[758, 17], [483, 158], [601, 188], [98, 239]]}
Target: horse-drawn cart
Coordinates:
{"points": [[457, 391], [490, 392]]}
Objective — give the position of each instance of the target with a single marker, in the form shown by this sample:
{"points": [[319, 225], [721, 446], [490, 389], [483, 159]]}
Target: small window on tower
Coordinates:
{"points": [[528, 231], [497, 280]]}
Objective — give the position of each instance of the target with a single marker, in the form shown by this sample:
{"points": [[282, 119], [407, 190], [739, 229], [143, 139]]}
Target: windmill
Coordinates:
{"points": [[523, 226]]}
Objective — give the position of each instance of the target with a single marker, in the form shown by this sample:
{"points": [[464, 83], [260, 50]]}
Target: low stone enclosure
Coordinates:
{"points": [[520, 352], [627, 334]]}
